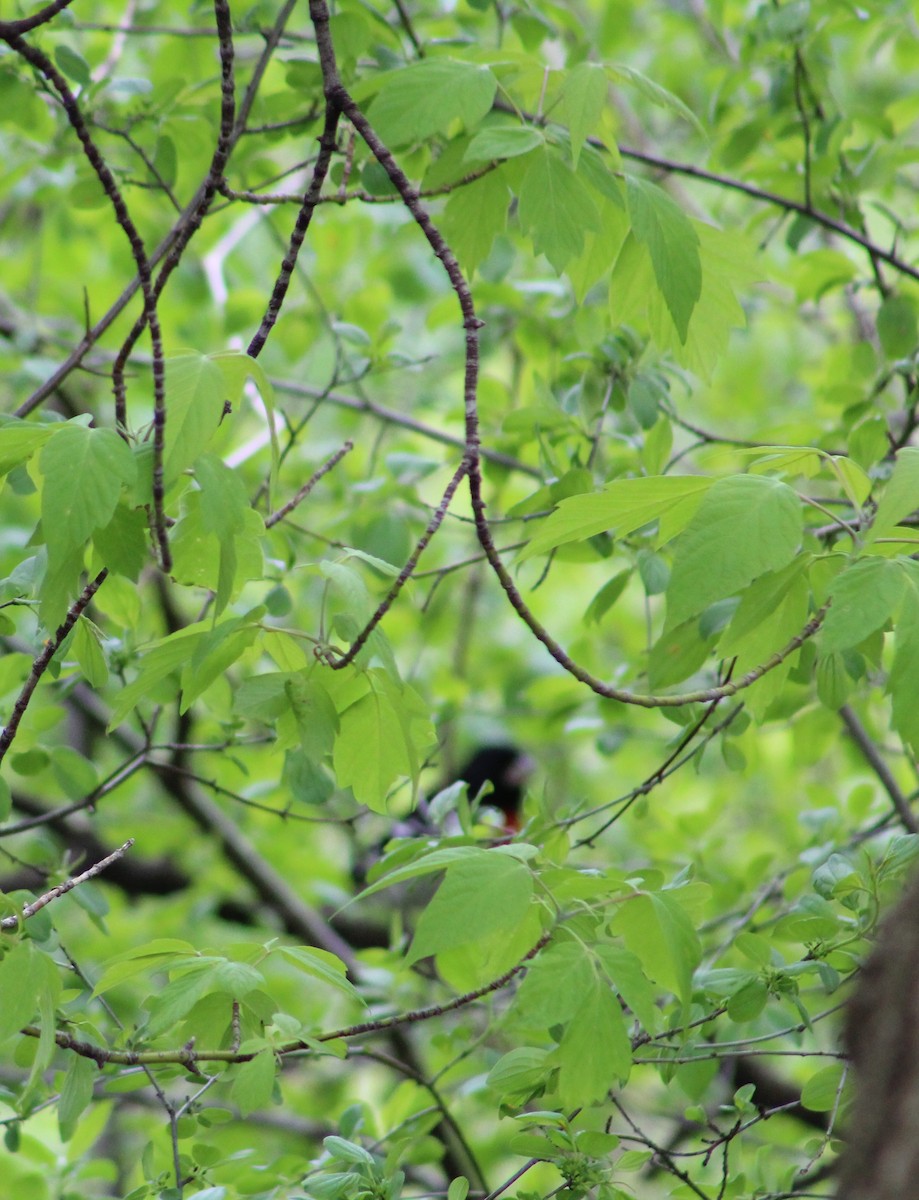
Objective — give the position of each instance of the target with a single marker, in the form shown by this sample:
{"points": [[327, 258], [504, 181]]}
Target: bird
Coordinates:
{"points": [[492, 781], [495, 778]]}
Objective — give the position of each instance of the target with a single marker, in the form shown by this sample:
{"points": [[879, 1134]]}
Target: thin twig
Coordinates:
{"points": [[62, 889]]}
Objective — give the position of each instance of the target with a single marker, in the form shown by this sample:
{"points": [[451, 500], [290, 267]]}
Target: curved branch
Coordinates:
{"points": [[41, 663]]}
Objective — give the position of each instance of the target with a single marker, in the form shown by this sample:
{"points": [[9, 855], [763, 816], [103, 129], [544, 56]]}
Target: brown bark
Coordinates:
{"points": [[882, 1159]]}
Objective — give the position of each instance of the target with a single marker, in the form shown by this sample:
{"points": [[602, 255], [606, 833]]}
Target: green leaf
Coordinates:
{"points": [[636, 298], [122, 543], [474, 216], [821, 1092], [595, 1052], [458, 1189], [198, 556], [520, 1070], [676, 655], [237, 369], [84, 471], [771, 612], [76, 1093], [73, 65], [625, 972], [161, 660], [483, 895], [863, 598], [20, 439], [897, 326], [555, 984], [658, 931], [673, 244], [748, 1001], [204, 976], [427, 97], [622, 507], [655, 93], [319, 964], [85, 648], [195, 393], [583, 97], [555, 209], [503, 141], [19, 983], [314, 713], [904, 671], [901, 495], [76, 774], [253, 1085], [745, 526], [380, 741], [215, 653]]}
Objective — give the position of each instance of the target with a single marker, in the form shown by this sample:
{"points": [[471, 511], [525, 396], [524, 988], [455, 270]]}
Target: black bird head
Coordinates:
{"points": [[507, 769]]}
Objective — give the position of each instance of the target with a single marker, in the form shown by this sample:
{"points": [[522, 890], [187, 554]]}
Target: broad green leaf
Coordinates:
{"points": [[606, 597], [20, 439], [224, 505], [503, 141], [555, 984], [160, 661], [583, 97], [636, 298], [754, 635], [520, 1070], [237, 369], [319, 964], [897, 326], [601, 247], [195, 394], [379, 743], [137, 960], [76, 774], [663, 228], [676, 655], [757, 603], [314, 714], [625, 972], [76, 1093], [85, 648], [622, 507], [900, 496], [748, 1001], [475, 214], [262, 697], [863, 598], [174, 1001], [427, 97], [904, 672], [84, 471], [821, 1091], [745, 526], [197, 556], [253, 1084], [215, 653], [855, 481], [595, 1052], [478, 897], [19, 982], [658, 931], [555, 210], [122, 543], [867, 441], [652, 91]]}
